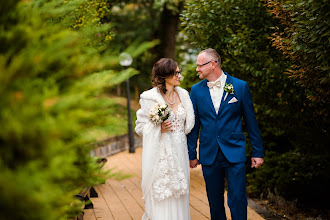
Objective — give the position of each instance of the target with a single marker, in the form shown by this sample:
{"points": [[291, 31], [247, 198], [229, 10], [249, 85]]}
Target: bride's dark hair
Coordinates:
{"points": [[163, 68]]}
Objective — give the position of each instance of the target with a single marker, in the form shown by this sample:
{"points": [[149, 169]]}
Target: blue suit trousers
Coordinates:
{"points": [[214, 176]]}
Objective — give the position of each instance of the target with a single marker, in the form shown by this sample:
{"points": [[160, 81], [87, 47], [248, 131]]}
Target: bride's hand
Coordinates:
{"points": [[166, 126]]}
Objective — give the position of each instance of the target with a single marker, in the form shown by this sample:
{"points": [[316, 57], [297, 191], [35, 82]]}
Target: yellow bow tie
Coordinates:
{"points": [[212, 84]]}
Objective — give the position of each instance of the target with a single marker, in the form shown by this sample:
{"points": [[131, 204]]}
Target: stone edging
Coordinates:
{"points": [[266, 214], [115, 145]]}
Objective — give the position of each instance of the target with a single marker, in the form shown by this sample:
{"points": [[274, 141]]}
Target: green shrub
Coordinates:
{"points": [[290, 173], [52, 106], [294, 130]]}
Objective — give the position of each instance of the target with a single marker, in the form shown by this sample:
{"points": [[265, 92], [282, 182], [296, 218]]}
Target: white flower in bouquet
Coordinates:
{"points": [[159, 113]]}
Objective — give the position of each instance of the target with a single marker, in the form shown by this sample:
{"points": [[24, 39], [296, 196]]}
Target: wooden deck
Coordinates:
{"points": [[122, 199]]}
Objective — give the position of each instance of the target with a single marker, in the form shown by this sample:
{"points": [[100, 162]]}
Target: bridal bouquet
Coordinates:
{"points": [[159, 113]]}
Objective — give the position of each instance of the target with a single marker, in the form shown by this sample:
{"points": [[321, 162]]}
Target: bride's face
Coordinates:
{"points": [[175, 79]]}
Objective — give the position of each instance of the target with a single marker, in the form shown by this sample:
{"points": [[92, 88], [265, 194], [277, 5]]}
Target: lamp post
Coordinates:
{"points": [[126, 60]]}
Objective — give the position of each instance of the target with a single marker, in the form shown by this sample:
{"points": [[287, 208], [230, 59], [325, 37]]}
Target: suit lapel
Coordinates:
{"points": [[224, 103], [207, 95]]}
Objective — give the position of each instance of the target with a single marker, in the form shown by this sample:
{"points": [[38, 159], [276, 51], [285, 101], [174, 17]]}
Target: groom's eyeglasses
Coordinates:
{"points": [[200, 65]]}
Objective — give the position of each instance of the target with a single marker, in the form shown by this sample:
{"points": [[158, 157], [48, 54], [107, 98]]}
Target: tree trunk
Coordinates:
{"points": [[168, 30], [118, 90], [137, 93]]}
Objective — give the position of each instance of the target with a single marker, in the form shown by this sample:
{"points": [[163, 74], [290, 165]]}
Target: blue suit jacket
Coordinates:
{"points": [[224, 129]]}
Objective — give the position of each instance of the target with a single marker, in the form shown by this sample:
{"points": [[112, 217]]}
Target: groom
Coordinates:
{"points": [[220, 102]]}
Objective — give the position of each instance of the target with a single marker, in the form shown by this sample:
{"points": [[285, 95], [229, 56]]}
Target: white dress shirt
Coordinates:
{"points": [[217, 92]]}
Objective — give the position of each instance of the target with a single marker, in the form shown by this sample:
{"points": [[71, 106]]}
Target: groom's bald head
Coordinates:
{"points": [[212, 54]]}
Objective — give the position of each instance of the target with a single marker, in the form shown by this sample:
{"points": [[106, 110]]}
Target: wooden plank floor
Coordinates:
{"points": [[122, 199]]}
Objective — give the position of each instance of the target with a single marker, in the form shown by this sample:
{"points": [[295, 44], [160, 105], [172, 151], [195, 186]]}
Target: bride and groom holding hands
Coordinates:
{"points": [[213, 114]]}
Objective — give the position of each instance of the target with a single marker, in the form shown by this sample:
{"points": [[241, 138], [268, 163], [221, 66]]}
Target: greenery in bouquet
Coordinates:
{"points": [[159, 113]]}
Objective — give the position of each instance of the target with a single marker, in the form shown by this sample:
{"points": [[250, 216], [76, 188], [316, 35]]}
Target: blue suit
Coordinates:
{"points": [[222, 145]]}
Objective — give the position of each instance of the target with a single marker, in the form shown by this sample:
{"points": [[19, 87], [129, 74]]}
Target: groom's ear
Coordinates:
{"points": [[214, 65]]}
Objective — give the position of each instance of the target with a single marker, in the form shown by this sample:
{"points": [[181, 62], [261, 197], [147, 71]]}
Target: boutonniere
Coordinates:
{"points": [[229, 88]]}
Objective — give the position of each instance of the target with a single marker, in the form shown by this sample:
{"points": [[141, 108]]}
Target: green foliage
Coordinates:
{"points": [[53, 105], [136, 21], [295, 171], [190, 76], [304, 39], [288, 121], [171, 5]]}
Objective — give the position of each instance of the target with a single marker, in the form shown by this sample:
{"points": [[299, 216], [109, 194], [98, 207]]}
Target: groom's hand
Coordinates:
{"points": [[256, 162], [194, 163]]}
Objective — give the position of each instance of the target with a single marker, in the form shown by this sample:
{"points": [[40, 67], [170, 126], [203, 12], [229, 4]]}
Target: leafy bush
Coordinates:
{"points": [[294, 132], [304, 38], [53, 105], [292, 172]]}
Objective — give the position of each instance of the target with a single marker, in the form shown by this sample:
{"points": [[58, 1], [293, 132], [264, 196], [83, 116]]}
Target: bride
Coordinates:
{"points": [[165, 161]]}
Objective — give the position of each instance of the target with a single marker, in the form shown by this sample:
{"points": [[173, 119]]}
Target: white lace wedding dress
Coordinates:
{"points": [[165, 161], [170, 187]]}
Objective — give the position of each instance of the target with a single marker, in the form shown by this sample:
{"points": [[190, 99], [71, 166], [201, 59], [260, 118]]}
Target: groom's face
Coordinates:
{"points": [[203, 66]]}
